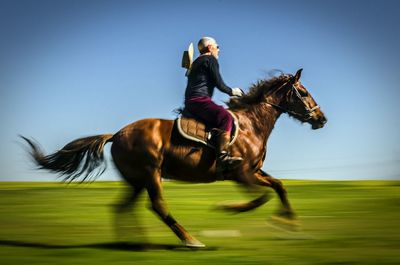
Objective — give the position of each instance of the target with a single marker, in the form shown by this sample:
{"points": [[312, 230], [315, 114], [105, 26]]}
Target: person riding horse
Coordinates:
{"points": [[203, 77]]}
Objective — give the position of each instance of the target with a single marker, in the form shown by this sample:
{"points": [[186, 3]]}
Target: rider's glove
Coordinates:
{"points": [[237, 92]]}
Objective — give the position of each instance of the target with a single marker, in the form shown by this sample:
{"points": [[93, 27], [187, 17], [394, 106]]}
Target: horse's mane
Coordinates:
{"points": [[257, 91]]}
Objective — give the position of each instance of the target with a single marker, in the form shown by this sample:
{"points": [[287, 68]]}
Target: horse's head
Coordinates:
{"points": [[299, 103], [285, 93]]}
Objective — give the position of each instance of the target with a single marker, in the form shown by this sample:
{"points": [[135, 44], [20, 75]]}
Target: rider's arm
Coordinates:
{"points": [[219, 83]]}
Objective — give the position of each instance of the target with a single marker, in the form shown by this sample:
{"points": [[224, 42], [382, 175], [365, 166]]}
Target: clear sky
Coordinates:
{"points": [[70, 69]]}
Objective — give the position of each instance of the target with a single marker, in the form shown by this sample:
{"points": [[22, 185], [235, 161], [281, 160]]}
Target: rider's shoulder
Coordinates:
{"points": [[206, 59]]}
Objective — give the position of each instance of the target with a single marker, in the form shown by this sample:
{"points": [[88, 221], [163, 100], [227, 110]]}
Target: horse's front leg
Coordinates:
{"points": [[265, 179], [252, 184]]}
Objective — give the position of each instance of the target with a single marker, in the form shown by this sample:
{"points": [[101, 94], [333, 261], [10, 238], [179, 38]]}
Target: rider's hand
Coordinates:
{"points": [[237, 92]]}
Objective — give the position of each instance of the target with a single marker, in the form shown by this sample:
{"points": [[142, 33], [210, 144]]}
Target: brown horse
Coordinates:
{"points": [[148, 150]]}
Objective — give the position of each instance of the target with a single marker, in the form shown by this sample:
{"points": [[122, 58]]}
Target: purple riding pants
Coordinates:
{"points": [[212, 114]]}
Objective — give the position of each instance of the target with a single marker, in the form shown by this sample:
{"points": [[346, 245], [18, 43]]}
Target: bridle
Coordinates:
{"points": [[309, 111]]}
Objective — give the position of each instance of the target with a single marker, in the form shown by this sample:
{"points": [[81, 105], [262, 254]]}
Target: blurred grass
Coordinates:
{"points": [[342, 223]]}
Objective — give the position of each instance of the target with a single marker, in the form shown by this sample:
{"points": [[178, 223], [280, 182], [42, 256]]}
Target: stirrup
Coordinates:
{"points": [[225, 161]]}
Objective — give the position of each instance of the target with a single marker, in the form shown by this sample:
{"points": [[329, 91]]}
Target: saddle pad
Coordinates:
{"points": [[197, 131], [193, 130]]}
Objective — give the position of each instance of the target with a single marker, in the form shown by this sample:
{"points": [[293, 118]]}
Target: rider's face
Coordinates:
{"points": [[214, 50]]}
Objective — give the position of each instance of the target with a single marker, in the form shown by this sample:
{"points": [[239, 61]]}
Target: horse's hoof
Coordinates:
{"points": [[286, 223], [194, 243]]}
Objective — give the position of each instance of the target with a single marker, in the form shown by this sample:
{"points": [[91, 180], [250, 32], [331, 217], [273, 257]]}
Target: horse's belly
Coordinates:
{"points": [[196, 165]]}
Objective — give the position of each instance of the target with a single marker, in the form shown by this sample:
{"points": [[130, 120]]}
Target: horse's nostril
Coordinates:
{"points": [[323, 120]]}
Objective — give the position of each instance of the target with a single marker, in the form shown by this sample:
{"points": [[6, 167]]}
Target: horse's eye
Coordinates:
{"points": [[303, 92]]}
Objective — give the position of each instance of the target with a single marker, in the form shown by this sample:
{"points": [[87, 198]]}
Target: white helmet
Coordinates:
{"points": [[204, 42]]}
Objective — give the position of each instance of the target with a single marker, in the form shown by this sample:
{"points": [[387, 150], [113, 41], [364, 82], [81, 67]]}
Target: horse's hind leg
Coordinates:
{"points": [[130, 197], [126, 222], [154, 189]]}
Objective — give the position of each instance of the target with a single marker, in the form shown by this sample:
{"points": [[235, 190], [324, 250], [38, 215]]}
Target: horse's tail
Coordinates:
{"points": [[82, 156]]}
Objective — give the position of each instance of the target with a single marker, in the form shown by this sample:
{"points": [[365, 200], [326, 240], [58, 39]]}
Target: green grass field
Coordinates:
{"points": [[341, 223]]}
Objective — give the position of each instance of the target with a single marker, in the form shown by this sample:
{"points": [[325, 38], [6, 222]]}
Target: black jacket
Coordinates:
{"points": [[204, 76]]}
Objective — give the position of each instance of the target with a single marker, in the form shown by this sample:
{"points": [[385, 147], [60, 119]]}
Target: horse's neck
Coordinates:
{"points": [[263, 116]]}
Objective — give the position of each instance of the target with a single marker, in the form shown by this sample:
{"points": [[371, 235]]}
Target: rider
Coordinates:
{"points": [[203, 77]]}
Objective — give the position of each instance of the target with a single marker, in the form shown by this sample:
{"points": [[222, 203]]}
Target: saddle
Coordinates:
{"points": [[193, 129]]}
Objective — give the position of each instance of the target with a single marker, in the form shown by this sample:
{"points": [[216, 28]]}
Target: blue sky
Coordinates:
{"points": [[70, 69]]}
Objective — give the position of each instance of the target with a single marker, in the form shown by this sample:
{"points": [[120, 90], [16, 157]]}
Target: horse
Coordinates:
{"points": [[149, 150]]}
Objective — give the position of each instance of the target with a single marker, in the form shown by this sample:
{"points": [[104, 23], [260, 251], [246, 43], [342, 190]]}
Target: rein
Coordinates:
{"points": [[305, 116]]}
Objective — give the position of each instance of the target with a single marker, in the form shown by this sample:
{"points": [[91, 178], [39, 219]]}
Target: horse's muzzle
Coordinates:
{"points": [[319, 122]]}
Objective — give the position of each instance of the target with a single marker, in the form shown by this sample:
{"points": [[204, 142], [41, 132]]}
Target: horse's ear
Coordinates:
{"points": [[298, 75]]}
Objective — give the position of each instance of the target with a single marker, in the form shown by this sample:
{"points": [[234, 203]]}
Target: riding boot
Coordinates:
{"points": [[224, 160]]}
